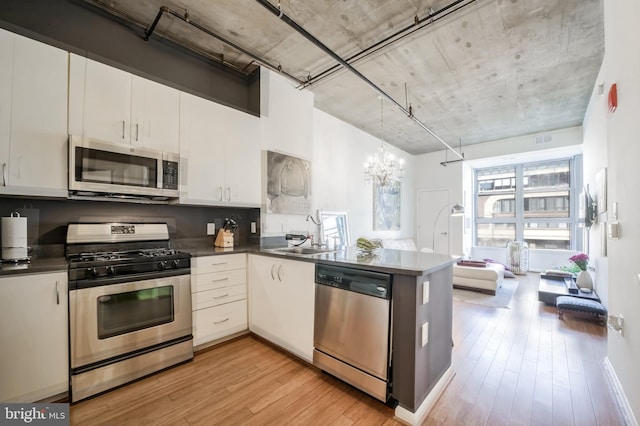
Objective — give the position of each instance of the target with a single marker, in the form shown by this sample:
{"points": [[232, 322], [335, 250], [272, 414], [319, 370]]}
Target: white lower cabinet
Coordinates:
{"points": [[218, 296], [34, 359], [281, 302]]}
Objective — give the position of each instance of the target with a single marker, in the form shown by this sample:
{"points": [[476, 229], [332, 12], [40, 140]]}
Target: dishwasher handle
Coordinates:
{"points": [[369, 283]]}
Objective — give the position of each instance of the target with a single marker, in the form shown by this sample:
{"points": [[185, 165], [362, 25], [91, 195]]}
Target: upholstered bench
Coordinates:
{"points": [[485, 279], [583, 307]]}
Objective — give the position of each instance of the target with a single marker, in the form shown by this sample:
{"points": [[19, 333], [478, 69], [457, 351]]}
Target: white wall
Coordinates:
{"points": [[291, 125], [622, 66], [286, 126], [340, 151], [431, 176], [595, 160]]}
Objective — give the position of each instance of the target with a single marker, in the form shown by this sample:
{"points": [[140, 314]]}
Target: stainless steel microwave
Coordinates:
{"points": [[102, 169]]}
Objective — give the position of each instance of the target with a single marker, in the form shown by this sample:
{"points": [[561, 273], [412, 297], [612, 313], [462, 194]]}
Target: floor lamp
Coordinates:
{"points": [[457, 209]]}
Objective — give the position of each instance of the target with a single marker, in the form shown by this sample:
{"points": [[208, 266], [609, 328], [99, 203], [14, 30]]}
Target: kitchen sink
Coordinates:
{"points": [[300, 250]]}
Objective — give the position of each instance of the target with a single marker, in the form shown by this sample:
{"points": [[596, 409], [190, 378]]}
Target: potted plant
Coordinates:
{"points": [[583, 279]]}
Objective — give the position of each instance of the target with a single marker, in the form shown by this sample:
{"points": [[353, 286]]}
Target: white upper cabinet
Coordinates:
{"points": [[33, 117], [155, 115], [112, 105], [220, 154]]}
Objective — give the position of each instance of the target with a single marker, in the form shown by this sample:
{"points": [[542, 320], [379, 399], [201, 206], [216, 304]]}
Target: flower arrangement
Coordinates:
{"points": [[580, 260]]}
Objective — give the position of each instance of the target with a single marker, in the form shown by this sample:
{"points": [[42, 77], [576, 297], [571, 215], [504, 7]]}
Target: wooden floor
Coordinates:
{"points": [[518, 366]]}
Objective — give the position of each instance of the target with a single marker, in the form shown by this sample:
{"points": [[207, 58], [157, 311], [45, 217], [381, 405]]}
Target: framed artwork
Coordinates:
{"points": [[601, 191], [288, 184], [386, 206]]}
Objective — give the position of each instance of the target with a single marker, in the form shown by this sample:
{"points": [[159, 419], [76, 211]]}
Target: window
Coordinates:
{"points": [[529, 202]]}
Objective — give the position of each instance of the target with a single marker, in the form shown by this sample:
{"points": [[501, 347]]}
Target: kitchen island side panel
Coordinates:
{"points": [[403, 345], [434, 359], [417, 368]]}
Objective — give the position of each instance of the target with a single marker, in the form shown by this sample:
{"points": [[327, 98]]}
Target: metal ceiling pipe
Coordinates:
{"points": [[417, 25], [280, 14], [185, 18]]}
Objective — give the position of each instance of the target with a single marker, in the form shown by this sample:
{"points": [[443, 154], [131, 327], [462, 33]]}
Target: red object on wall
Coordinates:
{"points": [[613, 97]]}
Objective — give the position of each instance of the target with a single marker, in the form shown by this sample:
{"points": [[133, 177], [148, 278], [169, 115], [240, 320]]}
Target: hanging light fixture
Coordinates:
{"points": [[381, 166]]}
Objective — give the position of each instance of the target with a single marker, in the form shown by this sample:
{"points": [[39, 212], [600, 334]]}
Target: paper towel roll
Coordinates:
{"points": [[14, 237]]}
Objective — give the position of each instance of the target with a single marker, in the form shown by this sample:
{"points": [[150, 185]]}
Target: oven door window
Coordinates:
{"points": [[135, 310], [93, 165]]}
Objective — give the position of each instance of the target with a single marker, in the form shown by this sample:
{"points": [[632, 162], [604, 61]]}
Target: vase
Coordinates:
{"points": [[518, 257], [584, 280]]}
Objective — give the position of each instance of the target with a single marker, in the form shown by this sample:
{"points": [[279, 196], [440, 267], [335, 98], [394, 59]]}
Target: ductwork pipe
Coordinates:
{"points": [[281, 15]]}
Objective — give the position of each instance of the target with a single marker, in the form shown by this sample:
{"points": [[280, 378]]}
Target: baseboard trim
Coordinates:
{"points": [[419, 416], [619, 395]]}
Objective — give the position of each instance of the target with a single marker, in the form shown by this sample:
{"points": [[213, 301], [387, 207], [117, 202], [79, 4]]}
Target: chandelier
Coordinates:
{"points": [[380, 167]]}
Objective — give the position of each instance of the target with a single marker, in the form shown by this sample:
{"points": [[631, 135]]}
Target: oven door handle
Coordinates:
{"points": [[80, 284]]}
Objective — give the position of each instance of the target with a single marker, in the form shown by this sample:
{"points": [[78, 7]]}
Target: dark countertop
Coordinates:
{"points": [[382, 260], [38, 265]]}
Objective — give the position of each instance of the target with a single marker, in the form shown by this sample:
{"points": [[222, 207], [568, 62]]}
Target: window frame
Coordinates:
{"points": [[519, 219]]}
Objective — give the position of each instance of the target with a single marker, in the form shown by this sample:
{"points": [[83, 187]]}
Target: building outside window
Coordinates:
{"points": [[530, 202]]}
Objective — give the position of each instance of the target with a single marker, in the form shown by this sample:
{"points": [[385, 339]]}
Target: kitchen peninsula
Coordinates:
{"points": [[421, 320]]}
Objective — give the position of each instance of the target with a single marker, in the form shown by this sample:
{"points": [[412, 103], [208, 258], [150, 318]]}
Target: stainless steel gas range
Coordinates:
{"points": [[129, 304]]}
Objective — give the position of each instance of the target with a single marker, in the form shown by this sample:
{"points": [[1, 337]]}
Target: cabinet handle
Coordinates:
{"points": [[279, 269], [228, 193], [122, 129], [137, 132], [57, 294], [4, 174], [221, 297], [221, 321], [272, 268], [221, 263], [220, 193], [220, 279]]}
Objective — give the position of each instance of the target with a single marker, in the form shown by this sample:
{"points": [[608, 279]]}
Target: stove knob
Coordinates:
{"points": [[176, 263], [111, 270], [92, 272], [163, 265]]}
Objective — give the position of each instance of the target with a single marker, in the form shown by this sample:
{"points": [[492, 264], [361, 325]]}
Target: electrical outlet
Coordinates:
{"points": [[211, 228], [425, 292], [425, 333]]}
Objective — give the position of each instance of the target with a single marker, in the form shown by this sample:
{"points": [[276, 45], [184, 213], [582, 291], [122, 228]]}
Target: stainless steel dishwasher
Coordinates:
{"points": [[352, 327]]}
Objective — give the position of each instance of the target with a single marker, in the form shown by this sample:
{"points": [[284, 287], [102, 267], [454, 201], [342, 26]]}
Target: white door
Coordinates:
{"points": [[432, 233], [6, 82], [202, 161], [107, 103], [155, 115], [38, 157], [34, 360], [243, 160]]}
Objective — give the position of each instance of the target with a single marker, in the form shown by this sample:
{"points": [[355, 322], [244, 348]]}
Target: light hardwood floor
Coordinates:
{"points": [[518, 366]]}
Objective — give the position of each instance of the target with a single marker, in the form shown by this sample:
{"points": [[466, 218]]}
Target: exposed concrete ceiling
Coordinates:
{"points": [[481, 70]]}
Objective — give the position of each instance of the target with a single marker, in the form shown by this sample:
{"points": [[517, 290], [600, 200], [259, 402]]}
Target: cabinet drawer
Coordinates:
{"points": [[213, 280], [227, 262], [206, 299], [219, 321]]}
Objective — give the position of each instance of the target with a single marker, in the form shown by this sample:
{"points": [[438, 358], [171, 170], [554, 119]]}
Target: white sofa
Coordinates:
{"points": [[486, 280]]}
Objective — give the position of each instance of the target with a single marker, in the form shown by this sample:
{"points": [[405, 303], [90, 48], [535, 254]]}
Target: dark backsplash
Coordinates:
{"points": [[47, 219]]}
